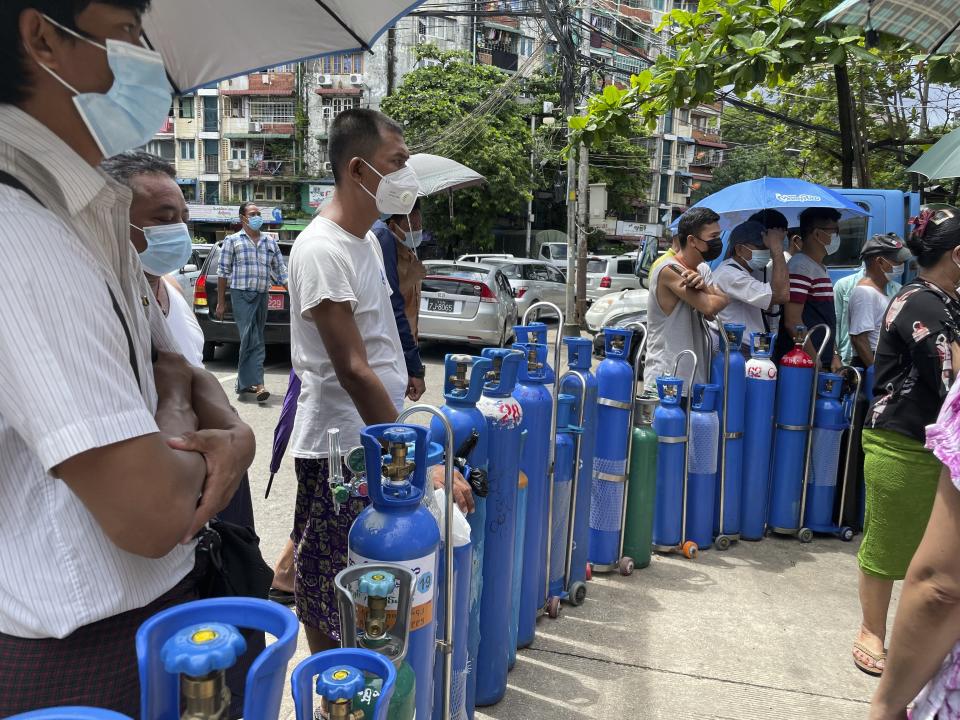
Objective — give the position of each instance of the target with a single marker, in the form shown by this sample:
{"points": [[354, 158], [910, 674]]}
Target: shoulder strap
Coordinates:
{"points": [[11, 181]]}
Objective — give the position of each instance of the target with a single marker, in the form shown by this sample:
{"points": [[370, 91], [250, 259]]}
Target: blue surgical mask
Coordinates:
{"points": [[255, 222], [135, 106], [168, 248], [413, 238]]}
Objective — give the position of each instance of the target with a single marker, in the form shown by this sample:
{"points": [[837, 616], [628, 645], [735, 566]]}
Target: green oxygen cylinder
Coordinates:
{"points": [[642, 479], [380, 628]]}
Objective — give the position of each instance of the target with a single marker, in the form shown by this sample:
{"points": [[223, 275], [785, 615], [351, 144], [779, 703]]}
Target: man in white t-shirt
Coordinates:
{"points": [[344, 345], [751, 248]]}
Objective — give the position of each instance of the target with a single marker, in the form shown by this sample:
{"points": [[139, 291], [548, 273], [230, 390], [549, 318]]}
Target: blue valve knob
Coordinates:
{"points": [[341, 682], [378, 584], [399, 435], [201, 649]]}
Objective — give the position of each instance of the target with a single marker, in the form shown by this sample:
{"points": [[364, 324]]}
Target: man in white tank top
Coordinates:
{"points": [[680, 298]]}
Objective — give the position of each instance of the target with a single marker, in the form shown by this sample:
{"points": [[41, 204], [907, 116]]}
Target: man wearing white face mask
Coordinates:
{"points": [[751, 248], [109, 465], [811, 290], [399, 237]]}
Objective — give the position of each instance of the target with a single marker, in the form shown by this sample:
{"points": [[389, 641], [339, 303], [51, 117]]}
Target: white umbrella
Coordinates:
{"points": [[437, 174], [205, 41]]}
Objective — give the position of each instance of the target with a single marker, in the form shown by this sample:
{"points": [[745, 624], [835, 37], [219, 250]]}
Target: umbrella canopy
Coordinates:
{"points": [[205, 41], [942, 160], [736, 203], [931, 25], [437, 174]]}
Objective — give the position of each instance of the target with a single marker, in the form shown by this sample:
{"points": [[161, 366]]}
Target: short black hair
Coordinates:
{"points": [[693, 220], [771, 219], [128, 165], [15, 79], [357, 133], [935, 232], [813, 217], [244, 207]]}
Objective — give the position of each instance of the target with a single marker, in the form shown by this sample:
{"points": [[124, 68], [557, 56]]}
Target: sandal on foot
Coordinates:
{"points": [[262, 394], [875, 657], [281, 596]]}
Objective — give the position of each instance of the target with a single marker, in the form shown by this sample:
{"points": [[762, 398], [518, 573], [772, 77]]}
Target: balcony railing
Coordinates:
{"points": [[271, 168], [713, 158], [702, 132], [211, 164]]}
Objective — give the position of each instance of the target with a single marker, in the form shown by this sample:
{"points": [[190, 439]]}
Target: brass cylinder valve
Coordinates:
{"points": [[459, 379]]}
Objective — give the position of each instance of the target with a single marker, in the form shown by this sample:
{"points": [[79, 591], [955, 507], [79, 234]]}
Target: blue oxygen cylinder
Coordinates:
{"points": [[702, 463], [504, 417], [397, 528], [536, 402], [670, 425], [536, 333], [464, 376], [731, 414], [564, 458], [615, 392], [761, 392], [789, 446], [579, 358], [829, 422]]}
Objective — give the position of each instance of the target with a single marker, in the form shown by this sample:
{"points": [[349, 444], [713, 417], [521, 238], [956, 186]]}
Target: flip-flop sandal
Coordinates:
{"points": [[862, 666], [262, 394], [281, 596]]}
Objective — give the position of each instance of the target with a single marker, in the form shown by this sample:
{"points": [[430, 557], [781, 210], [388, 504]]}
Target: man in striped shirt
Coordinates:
{"points": [[811, 290]]}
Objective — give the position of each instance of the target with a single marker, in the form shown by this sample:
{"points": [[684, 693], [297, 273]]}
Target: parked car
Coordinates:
{"points": [[186, 276], [610, 274], [466, 302], [483, 257], [224, 332], [533, 281], [554, 253]]}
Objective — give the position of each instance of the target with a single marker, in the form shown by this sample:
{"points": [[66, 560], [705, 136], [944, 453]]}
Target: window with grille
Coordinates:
{"points": [[161, 148], [238, 149], [273, 193], [343, 64], [277, 112], [233, 107]]}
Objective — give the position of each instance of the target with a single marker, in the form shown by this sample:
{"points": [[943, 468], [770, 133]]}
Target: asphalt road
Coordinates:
{"points": [[762, 630]]}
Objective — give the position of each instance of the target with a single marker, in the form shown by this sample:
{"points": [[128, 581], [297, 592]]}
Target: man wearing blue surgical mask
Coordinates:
{"points": [[250, 263], [399, 237], [108, 437]]}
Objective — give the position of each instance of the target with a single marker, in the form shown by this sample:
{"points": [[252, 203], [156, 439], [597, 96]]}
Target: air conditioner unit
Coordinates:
{"points": [[356, 79], [328, 167], [255, 127], [421, 38], [233, 165], [324, 80]]}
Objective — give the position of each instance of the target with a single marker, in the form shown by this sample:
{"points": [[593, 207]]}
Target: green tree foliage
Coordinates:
{"points": [[769, 44]]}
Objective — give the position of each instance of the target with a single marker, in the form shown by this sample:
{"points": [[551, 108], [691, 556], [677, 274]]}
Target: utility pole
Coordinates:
{"points": [[583, 184], [533, 170]]}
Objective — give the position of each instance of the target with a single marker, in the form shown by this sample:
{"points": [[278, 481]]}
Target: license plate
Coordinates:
{"points": [[440, 305], [275, 302]]}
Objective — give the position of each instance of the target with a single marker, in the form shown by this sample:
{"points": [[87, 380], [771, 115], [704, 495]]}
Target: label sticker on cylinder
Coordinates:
{"points": [[424, 570]]}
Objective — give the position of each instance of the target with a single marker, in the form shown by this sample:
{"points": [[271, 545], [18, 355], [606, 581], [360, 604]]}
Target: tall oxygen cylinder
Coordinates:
{"points": [[397, 528], [464, 377], [579, 358], [670, 426], [504, 416], [730, 410], [638, 532], [829, 422], [702, 463], [761, 392], [564, 460], [615, 392], [536, 402], [789, 446]]}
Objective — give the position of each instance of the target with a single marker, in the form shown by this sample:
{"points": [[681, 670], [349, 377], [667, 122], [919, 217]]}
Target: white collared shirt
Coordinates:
{"points": [[67, 385], [749, 297]]}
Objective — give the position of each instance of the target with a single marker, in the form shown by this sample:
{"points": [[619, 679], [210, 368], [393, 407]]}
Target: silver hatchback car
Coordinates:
{"points": [[466, 302], [533, 281]]}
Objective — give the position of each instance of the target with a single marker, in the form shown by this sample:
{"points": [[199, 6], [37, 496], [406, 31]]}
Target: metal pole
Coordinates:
{"points": [[723, 422], [575, 481], [846, 462], [813, 407], [446, 645], [583, 184], [533, 130], [571, 327], [686, 445]]}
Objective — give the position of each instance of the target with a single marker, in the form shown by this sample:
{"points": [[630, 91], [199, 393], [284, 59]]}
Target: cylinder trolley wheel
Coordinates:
{"points": [[722, 542], [805, 535], [578, 593], [553, 607], [846, 534], [690, 549], [626, 566]]}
